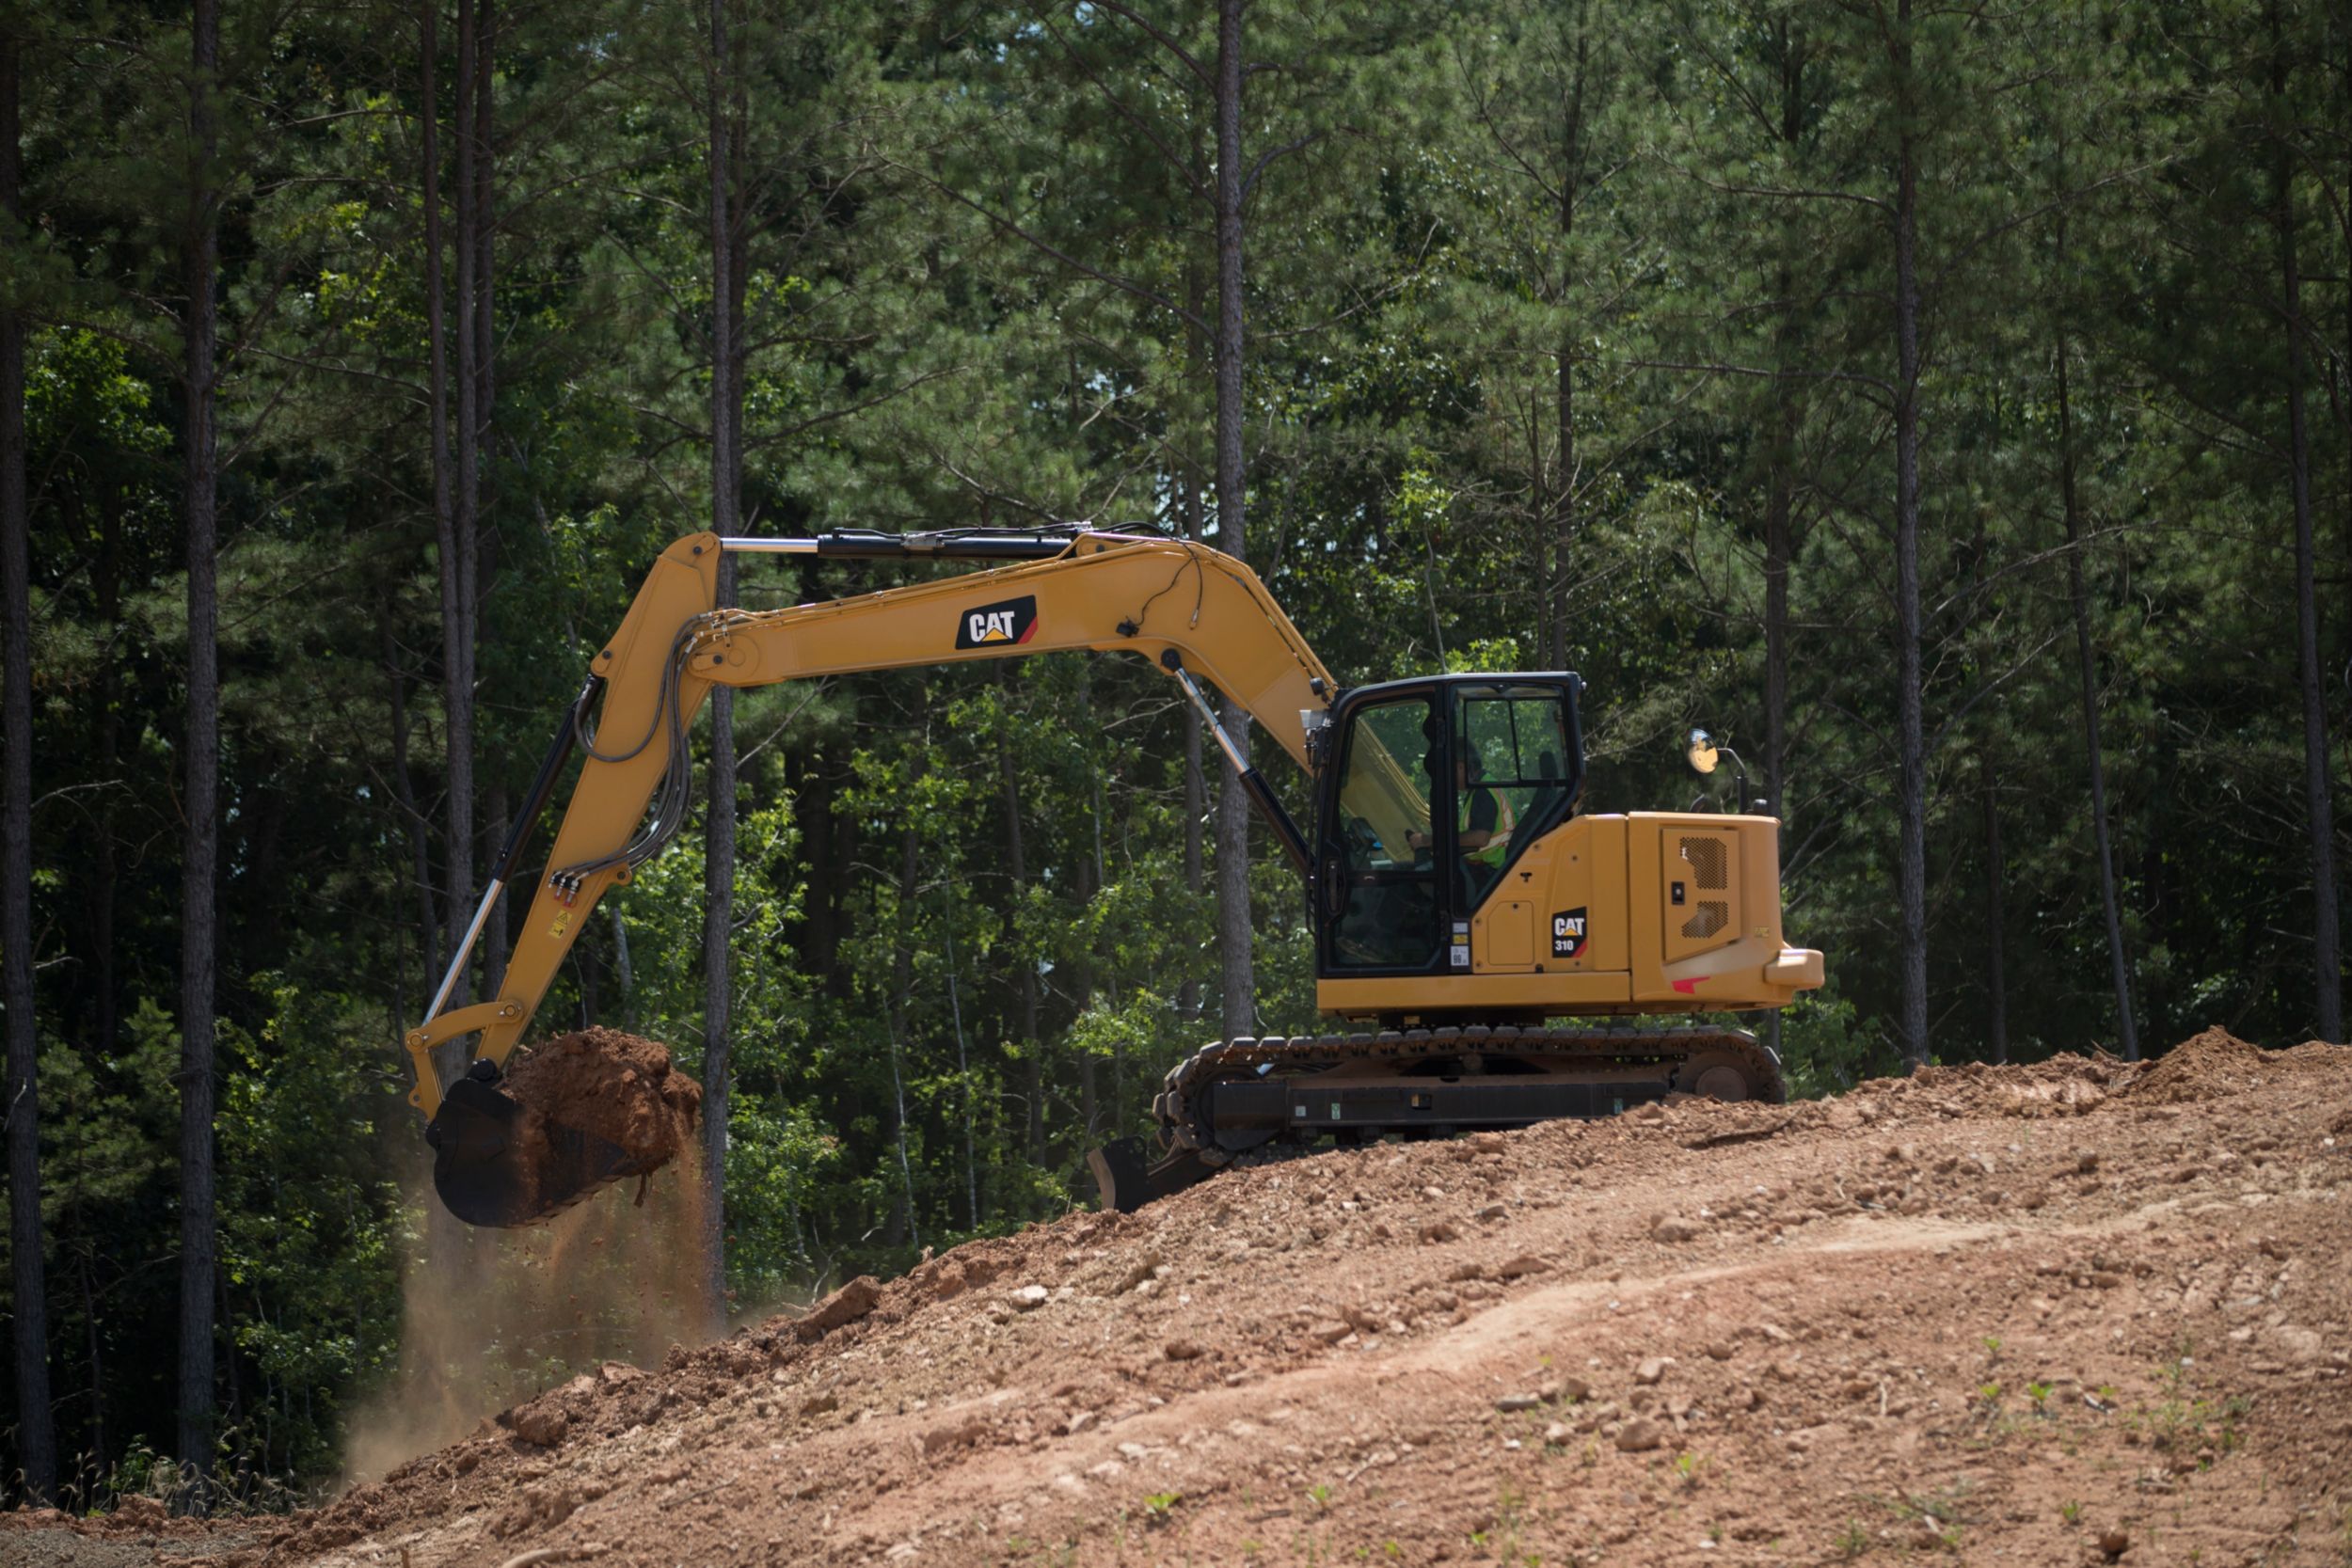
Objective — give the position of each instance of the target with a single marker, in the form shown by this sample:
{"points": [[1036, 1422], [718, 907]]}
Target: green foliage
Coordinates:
{"points": [[1570, 343], [1826, 1048]]}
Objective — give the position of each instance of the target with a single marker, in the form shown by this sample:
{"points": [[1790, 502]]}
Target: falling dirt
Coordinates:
{"points": [[491, 1318], [618, 1087], [2079, 1313]]}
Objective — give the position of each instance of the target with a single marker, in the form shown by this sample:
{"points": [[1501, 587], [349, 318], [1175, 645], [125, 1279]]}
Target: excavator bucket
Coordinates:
{"points": [[1128, 1177], [497, 1162]]}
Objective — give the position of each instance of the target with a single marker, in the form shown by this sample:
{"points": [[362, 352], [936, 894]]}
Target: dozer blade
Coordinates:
{"points": [[499, 1162], [1128, 1178]]}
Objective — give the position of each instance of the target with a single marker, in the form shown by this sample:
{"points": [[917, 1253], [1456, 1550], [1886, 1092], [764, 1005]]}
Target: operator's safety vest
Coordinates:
{"points": [[1498, 845]]}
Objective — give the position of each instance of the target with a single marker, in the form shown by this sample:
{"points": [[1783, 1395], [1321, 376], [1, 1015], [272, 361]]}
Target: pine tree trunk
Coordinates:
{"points": [[1996, 940], [1234, 924], [412, 815], [1090, 1088], [2119, 968], [1554, 614], [437, 386], [28, 1299], [1033, 1049], [494, 929], [726, 470], [964, 1073], [1779, 546], [624, 970], [1776, 520], [104, 875], [459, 555], [200, 783], [483, 557], [484, 230], [718, 973], [902, 1222], [1196, 776], [2327, 946], [1778, 503], [1781, 483], [93, 1350], [1912, 761], [1780, 495], [591, 974]]}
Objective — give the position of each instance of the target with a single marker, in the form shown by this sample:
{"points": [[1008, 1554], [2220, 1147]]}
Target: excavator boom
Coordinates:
{"points": [[1445, 804], [1191, 610]]}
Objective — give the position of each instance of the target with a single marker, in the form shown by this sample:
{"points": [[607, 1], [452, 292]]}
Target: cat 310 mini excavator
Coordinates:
{"points": [[1459, 900]]}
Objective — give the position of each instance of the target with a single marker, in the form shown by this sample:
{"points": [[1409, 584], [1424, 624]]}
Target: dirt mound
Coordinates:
{"points": [[2203, 1066], [2064, 1085], [620, 1087], [1901, 1325]]}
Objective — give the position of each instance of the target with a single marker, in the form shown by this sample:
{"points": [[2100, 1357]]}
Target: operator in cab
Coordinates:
{"points": [[1483, 826]]}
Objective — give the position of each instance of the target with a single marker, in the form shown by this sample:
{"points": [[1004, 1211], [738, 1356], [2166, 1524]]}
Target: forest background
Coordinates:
{"points": [[1950, 407]]}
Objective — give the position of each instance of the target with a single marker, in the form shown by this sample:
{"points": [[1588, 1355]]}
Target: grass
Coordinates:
{"points": [[1503, 1538], [1945, 1507], [2186, 1419], [1943, 1512]]}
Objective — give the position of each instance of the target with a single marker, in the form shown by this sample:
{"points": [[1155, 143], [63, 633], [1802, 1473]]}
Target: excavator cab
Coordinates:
{"points": [[1430, 792]]}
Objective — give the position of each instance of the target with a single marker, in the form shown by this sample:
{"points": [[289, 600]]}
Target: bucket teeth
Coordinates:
{"points": [[1128, 1177]]}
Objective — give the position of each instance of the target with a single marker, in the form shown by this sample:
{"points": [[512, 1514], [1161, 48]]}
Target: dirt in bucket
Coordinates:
{"points": [[617, 1087]]}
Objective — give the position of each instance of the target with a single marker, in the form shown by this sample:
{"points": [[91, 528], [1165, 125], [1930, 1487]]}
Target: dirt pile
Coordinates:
{"points": [[2208, 1065], [617, 1087], [2045, 1315]]}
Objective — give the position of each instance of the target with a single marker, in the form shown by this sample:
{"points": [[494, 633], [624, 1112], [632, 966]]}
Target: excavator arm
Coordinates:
{"points": [[1198, 615]]}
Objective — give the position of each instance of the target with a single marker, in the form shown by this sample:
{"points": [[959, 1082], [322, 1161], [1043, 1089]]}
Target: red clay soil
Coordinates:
{"points": [[620, 1087], [2076, 1313]]}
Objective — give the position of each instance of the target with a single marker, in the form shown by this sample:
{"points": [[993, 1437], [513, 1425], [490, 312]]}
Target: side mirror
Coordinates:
{"points": [[1701, 753]]}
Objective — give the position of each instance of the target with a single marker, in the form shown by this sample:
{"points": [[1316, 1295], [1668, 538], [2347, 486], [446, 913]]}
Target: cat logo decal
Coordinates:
{"points": [[1012, 622], [1568, 933]]}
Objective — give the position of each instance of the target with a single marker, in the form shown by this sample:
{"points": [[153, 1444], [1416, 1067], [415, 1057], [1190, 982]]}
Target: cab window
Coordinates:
{"points": [[1513, 779], [1388, 904]]}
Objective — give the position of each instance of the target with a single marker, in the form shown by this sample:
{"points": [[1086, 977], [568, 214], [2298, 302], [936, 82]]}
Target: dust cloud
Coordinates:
{"points": [[491, 1318]]}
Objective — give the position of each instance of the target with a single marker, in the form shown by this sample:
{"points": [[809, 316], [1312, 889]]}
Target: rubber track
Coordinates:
{"points": [[1177, 1104]]}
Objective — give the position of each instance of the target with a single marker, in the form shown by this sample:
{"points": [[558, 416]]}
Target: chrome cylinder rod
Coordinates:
{"points": [[942, 545], [1208, 717], [464, 950], [1252, 783]]}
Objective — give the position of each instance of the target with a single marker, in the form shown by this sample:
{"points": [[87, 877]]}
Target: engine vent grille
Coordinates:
{"points": [[1709, 857], [1712, 916]]}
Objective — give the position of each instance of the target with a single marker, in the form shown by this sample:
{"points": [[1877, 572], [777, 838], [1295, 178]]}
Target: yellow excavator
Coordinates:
{"points": [[1461, 902]]}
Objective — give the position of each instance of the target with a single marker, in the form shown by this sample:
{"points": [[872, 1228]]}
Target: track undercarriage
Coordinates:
{"points": [[1240, 1095]]}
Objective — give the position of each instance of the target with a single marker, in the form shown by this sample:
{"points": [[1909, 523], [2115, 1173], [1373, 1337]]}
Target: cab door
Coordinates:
{"points": [[1516, 770], [1382, 900]]}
